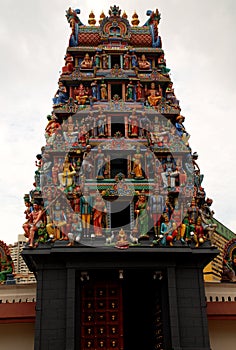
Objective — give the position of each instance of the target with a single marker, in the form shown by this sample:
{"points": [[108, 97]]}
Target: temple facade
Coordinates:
{"points": [[119, 227]]}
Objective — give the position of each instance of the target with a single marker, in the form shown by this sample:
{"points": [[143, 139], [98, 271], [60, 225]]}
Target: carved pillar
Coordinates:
{"points": [[72, 91], [109, 91], [109, 126], [121, 61], [126, 126], [76, 62], [123, 92], [153, 63]]}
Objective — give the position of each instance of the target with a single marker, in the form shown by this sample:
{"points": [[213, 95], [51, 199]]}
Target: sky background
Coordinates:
{"points": [[198, 38]]}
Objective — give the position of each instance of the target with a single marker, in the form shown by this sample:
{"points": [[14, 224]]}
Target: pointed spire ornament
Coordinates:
{"points": [[124, 15], [91, 20], [135, 20], [102, 16]]}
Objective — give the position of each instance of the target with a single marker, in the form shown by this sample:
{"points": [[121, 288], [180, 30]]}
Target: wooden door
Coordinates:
{"points": [[101, 316]]}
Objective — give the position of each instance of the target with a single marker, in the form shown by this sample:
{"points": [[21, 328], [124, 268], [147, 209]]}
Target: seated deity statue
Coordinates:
{"points": [[87, 62], [80, 94], [154, 95], [143, 63]]}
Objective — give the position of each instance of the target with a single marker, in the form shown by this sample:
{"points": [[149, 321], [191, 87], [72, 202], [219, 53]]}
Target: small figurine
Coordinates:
{"points": [[139, 91], [181, 132], [122, 242], [55, 171], [101, 124], [86, 205], [168, 231], [56, 229], [87, 62], [130, 92], [133, 124], [143, 63], [75, 22], [103, 90], [154, 95], [134, 59], [110, 238], [199, 236], [162, 65], [88, 122], [127, 60], [87, 164], [75, 230], [94, 88], [141, 216], [80, 94], [100, 164], [99, 211], [61, 96], [97, 59], [145, 125], [137, 165], [38, 162], [69, 64], [153, 22], [170, 95], [170, 173], [35, 219], [66, 178], [156, 210], [6, 268], [51, 128], [104, 59]]}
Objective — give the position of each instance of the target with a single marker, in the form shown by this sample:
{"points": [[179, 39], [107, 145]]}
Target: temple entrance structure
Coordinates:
{"points": [[119, 226]]}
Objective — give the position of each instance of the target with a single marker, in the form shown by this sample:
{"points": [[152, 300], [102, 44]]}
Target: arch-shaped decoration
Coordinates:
{"points": [[229, 262]]}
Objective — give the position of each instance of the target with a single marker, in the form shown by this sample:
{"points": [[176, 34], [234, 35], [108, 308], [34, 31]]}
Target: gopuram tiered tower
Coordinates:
{"points": [[119, 226]]}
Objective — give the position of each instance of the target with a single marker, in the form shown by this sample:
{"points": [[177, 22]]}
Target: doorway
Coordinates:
{"points": [[118, 165], [116, 89], [118, 126], [120, 213], [115, 61]]}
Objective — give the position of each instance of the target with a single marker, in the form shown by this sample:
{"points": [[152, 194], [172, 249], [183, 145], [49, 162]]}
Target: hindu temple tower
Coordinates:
{"points": [[119, 226]]}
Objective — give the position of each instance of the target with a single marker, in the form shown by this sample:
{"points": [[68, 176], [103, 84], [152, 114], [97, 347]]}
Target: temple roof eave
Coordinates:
{"points": [[82, 49]]}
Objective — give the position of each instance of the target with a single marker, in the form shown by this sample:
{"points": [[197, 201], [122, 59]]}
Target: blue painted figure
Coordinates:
{"points": [[61, 96]]}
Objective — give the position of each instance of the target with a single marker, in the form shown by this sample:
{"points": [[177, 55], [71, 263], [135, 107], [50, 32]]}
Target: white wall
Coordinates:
{"points": [[222, 334], [18, 336]]}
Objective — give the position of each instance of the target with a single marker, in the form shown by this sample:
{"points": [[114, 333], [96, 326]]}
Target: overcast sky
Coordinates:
{"points": [[198, 38]]}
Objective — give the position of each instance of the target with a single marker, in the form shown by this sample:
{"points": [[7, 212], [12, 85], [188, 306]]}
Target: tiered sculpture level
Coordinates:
{"points": [[117, 173]]}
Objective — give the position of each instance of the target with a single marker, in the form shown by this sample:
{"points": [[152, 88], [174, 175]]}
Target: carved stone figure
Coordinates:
{"points": [[143, 63], [87, 62], [61, 96]]}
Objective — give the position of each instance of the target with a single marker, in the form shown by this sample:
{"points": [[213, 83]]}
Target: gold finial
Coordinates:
{"points": [[91, 20], [124, 15], [135, 20], [102, 16]]}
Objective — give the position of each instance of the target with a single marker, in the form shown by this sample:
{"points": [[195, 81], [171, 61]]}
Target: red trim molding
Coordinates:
{"points": [[25, 312], [221, 310], [17, 313]]}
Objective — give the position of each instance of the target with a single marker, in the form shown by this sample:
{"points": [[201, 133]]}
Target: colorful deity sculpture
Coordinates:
{"points": [[87, 62], [35, 219], [143, 63], [99, 216], [61, 96], [141, 215]]}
